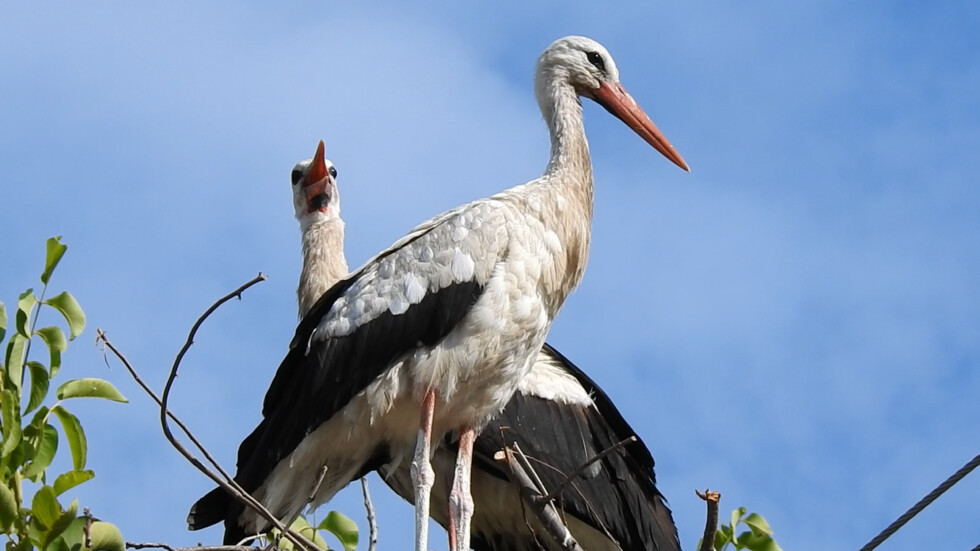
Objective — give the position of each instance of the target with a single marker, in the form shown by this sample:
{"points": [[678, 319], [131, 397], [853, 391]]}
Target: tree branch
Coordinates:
{"points": [[372, 521], [711, 500], [226, 482], [136, 545], [545, 511], [102, 339], [554, 493]]}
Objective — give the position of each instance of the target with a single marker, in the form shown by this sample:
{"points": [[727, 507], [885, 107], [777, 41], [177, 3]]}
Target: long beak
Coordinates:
{"points": [[317, 179], [318, 168], [614, 98]]}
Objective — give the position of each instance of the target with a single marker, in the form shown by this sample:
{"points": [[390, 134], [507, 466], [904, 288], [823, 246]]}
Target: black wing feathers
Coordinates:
{"points": [[317, 378], [617, 494], [309, 388]]}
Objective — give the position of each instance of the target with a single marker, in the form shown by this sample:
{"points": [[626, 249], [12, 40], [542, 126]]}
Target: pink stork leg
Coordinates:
{"points": [[460, 500], [422, 472]]}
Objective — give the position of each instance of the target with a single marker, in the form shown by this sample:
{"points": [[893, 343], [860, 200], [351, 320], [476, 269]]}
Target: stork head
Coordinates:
{"points": [[315, 194], [587, 67]]}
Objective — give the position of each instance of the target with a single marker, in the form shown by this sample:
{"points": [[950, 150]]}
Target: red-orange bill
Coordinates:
{"points": [[318, 168], [615, 99]]}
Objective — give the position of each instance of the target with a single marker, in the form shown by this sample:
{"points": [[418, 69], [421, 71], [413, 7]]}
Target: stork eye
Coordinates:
{"points": [[297, 176], [333, 172], [596, 59]]}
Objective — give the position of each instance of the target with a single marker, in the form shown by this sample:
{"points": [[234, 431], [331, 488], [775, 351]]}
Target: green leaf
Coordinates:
{"points": [[14, 360], [70, 479], [69, 308], [723, 536], [54, 338], [38, 421], [89, 388], [757, 524], [44, 506], [344, 528], [303, 527], [39, 385], [737, 515], [748, 540], [75, 436], [74, 535], [3, 321], [59, 544], [105, 537], [55, 250], [8, 507], [61, 524], [11, 422], [46, 449], [25, 303], [765, 544]]}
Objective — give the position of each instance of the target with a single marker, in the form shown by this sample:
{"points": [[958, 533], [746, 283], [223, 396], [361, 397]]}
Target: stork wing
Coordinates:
{"points": [[617, 494], [409, 296]]}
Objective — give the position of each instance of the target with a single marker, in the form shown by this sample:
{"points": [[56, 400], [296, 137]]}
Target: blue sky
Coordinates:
{"points": [[796, 323]]}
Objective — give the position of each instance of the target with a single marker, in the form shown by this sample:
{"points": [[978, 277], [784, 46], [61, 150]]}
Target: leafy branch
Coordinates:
{"points": [[27, 450]]}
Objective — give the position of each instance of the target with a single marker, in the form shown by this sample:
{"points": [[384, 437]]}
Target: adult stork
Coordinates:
{"points": [[435, 333], [558, 417]]}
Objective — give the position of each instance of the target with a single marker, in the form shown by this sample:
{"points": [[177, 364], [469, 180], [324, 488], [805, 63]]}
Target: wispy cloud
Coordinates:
{"points": [[795, 323]]}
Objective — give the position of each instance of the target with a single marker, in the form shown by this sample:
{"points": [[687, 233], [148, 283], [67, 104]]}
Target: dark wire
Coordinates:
{"points": [[922, 504]]}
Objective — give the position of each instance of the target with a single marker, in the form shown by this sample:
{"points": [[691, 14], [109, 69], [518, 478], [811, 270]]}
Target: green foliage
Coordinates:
{"points": [[341, 527], [27, 450], [758, 537]]}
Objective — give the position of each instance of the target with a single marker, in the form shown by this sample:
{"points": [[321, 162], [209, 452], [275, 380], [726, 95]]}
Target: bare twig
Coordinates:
{"points": [[372, 521], [101, 338], [87, 527], [554, 493], [226, 482], [316, 487], [319, 481], [711, 499], [546, 511], [136, 545]]}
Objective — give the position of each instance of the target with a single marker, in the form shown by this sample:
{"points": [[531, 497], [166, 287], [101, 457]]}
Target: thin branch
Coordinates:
{"points": [[372, 521], [554, 493], [546, 511], [226, 482], [316, 487], [104, 340], [136, 545], [711, 500], [239, 493]]}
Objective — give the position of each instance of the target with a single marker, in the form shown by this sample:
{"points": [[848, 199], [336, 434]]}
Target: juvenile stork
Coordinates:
{"points": [[436, 332], [558, 417]]}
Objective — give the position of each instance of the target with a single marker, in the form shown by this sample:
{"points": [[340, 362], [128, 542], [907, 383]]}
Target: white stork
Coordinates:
{"points": [[452, 315], [558, 417]]}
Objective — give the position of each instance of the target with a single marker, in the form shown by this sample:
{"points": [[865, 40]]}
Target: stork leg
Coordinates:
{"points": [[451, 529], [460, 499], [422, 473]]}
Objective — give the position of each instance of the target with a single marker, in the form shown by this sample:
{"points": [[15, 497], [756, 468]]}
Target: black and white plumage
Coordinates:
{"points": [[442, 326], [560, 419]]}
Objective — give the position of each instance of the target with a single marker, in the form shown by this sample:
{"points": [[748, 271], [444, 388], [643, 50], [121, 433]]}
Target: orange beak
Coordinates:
{"points": [[316, 177], [318, 168], [615, 99]]}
